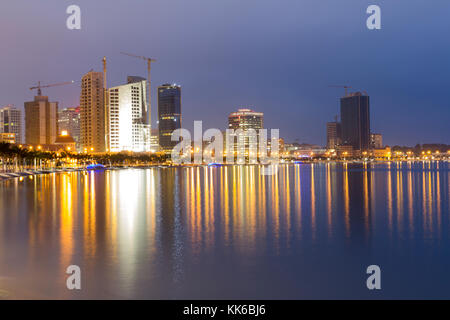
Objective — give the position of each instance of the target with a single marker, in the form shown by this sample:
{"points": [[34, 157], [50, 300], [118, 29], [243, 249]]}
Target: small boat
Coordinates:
{"points": [[215, 164], [96, 166], [298, 162]]}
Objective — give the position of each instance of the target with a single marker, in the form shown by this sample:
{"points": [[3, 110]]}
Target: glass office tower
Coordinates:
{"points": [[169, 114], [355, 121]]}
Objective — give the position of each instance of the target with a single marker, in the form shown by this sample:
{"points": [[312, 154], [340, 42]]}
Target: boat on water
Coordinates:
{"points": [[215, 164], [96, 166]]}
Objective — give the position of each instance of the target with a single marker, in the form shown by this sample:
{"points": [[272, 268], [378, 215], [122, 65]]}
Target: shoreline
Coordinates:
{"points": [[4, 176]]}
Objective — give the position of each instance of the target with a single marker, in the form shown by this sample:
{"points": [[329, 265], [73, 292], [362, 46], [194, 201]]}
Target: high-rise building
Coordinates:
{"points": [[11, 122], [244, 119], [355, 121], [169, 114], [376, 141], [333, 134], [69, 121], [92, 108], [128, 126], [41, 121]]}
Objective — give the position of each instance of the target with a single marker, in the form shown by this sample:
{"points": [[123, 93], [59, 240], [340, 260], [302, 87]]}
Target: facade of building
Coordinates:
{"points": [[381, 153], [169, 114], [93, 133], [65, 141], [128, 127], [69, 120], [41, 121], [246, 119], [346, 151], [333, 134], [8, 137], [154, 140], [355, 121], [376, 141], [11, 122]]}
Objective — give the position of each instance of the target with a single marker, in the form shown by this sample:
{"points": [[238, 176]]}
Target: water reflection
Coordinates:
{"points": [[166, 233]]}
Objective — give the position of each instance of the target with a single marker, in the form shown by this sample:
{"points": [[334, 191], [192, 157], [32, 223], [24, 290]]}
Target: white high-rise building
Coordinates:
{"points": [[128, 128]]}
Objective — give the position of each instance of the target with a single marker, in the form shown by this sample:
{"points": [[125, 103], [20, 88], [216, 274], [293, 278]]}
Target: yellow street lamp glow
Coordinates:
{"points": [[64, 133]]}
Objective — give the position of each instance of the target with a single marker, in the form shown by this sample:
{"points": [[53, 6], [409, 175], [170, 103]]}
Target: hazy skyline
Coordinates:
{"points": [[277, 57]]}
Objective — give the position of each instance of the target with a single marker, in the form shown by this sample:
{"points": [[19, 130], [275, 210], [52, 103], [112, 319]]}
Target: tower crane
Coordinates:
{"points": [[342, 86], [149, 68], [39, 86]]}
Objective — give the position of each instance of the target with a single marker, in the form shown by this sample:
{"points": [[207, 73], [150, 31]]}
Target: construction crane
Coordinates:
{"points": [[342, 86], [149, 68], [39, 86]]}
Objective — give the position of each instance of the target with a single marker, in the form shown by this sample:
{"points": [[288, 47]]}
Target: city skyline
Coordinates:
{"points": [[407, 90], [222, 155]]}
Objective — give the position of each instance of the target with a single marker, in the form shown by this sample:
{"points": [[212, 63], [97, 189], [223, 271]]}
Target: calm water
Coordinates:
{"points": [[308, 232]]}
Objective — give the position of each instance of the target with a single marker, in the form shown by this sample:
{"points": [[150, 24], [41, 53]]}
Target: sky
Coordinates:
{"points": [[274, 56]]}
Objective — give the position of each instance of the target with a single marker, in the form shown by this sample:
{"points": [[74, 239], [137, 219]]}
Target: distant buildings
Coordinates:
{"points": [[355, 121], [128, 127], [41, 126], [169, 114], [333, 134], [303, 150], [11, 122], [92, 124], [376, 141], [69, 121], [381, 153]]}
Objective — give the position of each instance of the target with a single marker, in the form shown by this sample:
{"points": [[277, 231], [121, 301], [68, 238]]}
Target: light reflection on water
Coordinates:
{"points": [[308, 232]]}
